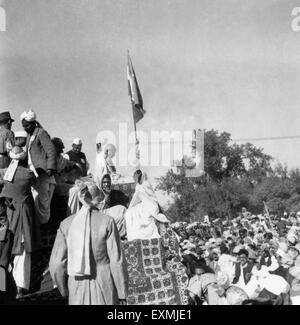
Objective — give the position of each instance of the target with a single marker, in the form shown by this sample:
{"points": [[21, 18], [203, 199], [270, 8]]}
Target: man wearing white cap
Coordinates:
{"points": [[77, 156], [41, 156]]}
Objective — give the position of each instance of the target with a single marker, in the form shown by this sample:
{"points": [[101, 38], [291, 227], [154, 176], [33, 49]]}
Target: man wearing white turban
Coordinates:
{"points": [[41, 155]]}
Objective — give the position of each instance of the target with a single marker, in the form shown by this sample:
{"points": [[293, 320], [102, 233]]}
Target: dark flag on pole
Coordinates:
{"points": [[134, 93]]}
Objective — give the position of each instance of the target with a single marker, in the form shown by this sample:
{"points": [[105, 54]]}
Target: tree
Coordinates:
{"points": [[231, 173]]}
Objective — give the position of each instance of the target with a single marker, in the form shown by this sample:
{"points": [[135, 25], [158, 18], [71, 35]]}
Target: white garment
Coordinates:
{"points": [[21, 269], [274, 264], [117, 212], [73, 201], [30, 163], [142, 212], [256, 283], [140, 223], [101, 168], [78, 243], [11, 170], [226, 263]]}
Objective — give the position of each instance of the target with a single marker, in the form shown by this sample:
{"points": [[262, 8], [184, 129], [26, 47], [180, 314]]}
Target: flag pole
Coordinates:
{"points": [[134, 124]]}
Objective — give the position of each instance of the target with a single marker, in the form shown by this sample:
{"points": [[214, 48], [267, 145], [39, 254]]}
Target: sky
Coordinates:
{"points": [[213, 64]]}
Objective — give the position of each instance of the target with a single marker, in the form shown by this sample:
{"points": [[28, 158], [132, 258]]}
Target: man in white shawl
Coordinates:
{"points": [[87, 262], [104, 163], [143, 211]]}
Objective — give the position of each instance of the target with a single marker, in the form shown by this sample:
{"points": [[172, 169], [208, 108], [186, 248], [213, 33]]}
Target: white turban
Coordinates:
{"points": [[29, 116]]}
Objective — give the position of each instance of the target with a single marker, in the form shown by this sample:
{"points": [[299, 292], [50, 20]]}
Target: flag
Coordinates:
{"points": [[134, 93]]}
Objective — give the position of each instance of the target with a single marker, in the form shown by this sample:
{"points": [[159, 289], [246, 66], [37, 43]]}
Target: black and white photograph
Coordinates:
{"points": [[150, 154]]}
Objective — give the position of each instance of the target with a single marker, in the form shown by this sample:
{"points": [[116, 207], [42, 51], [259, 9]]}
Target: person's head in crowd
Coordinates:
{"points": [[218, 233], [59, 145], [29, 122], [224, 249], [106, 184], [291, 216], [189, 231], [199, 250], [243, 256], [293, 220], [20, 138], [137, 176], [256, 221], [198, 232], [268, 236], [76, 145], [243, 233], [6, 120], [230, 242], [293, 252], [252, 255], [192, 239], [183, 234], [214, 256], [251, 234], [266, 253]]}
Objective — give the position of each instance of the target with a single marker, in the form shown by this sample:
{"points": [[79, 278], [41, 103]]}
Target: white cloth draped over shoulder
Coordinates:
{"points": [[142, 213], [78, 240]]}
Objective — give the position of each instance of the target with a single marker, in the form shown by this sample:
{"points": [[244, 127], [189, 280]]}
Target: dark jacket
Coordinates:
{"points": [[246, 272], [6, 139], [21, 214], [80, 159], [116, 197], [6, 278], [42, 151]]}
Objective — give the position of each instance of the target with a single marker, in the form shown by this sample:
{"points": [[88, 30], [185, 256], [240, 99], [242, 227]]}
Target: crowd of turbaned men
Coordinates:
{"points": [[251, 259]]}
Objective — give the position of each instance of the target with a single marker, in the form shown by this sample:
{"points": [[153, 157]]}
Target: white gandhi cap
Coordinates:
{"points": [[77, 141], [21, 134]]}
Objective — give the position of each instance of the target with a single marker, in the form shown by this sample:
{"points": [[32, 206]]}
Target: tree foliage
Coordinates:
{"points": [[235, 176]]}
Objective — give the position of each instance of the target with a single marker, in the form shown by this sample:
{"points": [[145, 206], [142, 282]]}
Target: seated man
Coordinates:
{"points": [[78, 157], [203, 285]]}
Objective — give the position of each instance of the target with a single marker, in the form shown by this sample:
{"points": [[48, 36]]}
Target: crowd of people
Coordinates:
{"points": [[251, 259]]}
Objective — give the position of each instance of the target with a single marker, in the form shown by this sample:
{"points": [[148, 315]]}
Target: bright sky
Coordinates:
{"points": [[229, 65]]}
